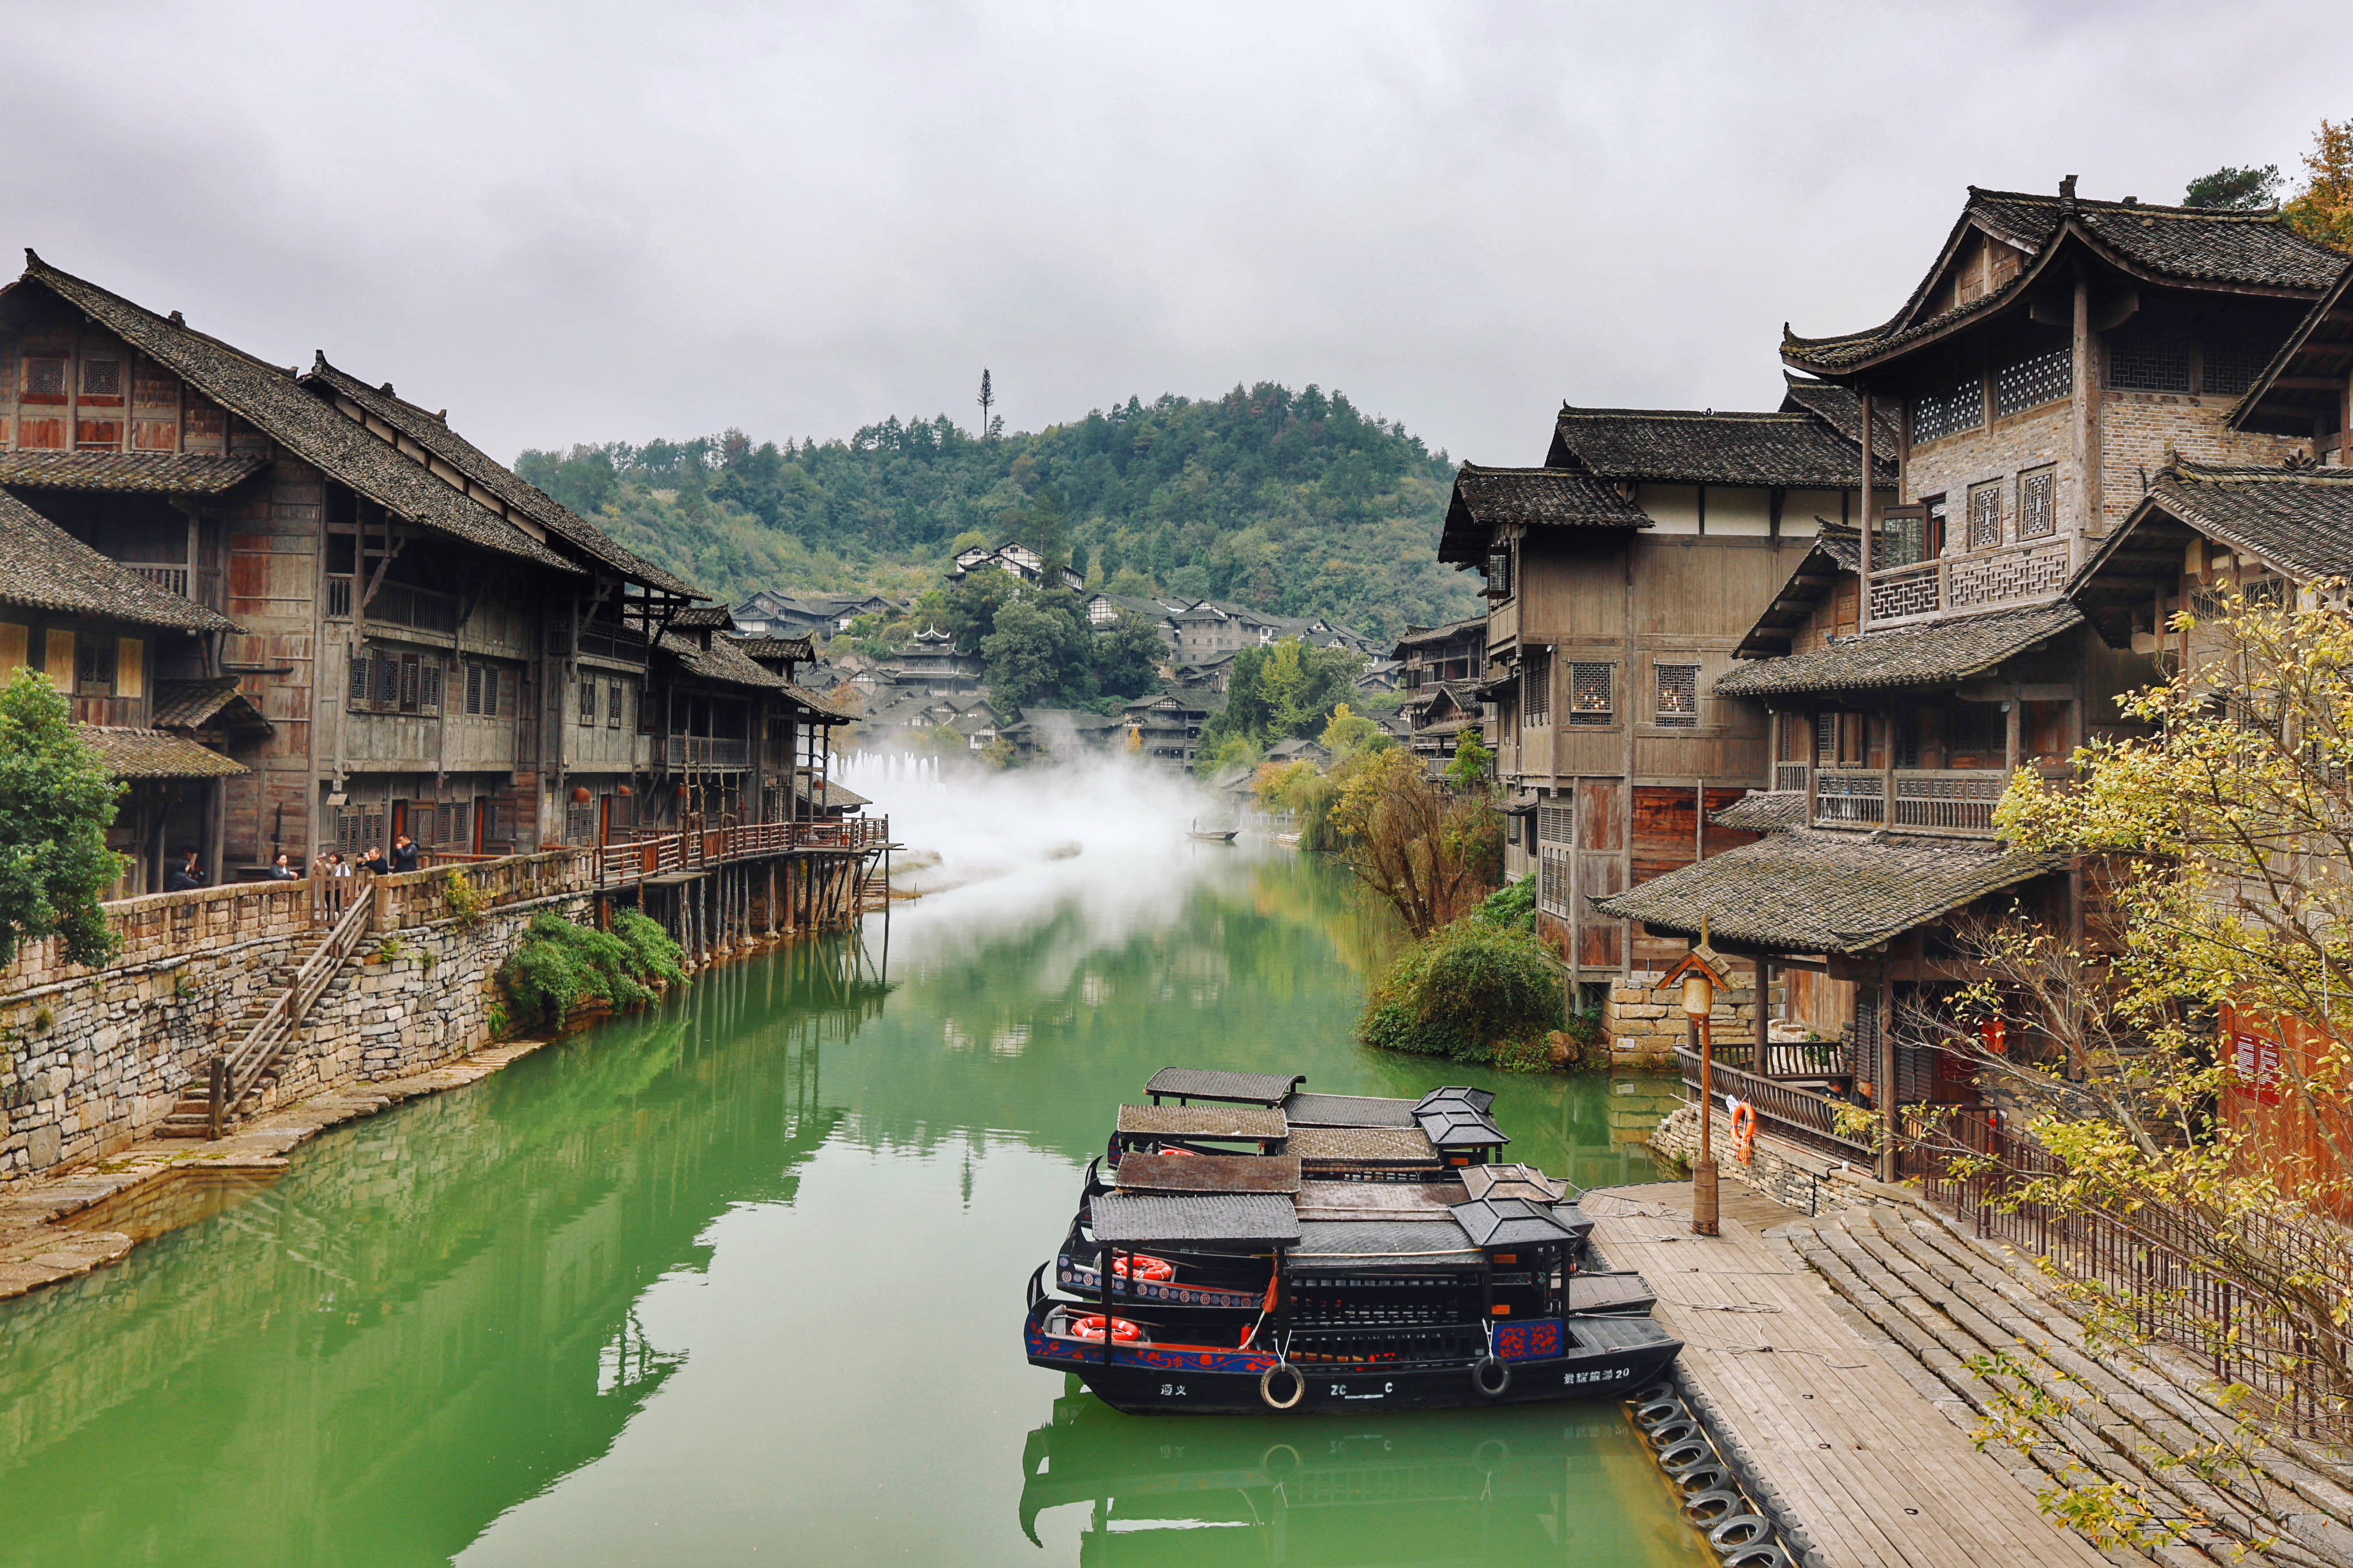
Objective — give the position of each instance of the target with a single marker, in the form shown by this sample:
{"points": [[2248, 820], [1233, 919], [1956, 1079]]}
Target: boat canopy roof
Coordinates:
{"points": [[1327, 1246], [1513, 1182], [1202, 1122], [1481, 1100], [1364, 1145], [1453, 1125], [1241, 1088], [1209, 1174], [1347, 1110], [1378, 1200], [1121, 1218], [1510, 1222]]}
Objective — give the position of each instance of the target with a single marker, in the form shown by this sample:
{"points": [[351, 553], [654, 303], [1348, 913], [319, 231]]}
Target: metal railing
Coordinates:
{"points": [[667, 854], [2145, 1256]]}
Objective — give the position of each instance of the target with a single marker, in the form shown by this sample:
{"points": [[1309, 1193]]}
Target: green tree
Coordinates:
{"points": [[1349, 733], [55, 803], [974, 604], [1289, 689], [2231, 189], [1473, 766], [1127, 657], [1041, 651]]}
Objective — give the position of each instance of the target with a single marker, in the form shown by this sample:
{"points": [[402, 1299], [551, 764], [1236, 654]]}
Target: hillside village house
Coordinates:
{"points": [[2096, 406], [1442, 672], [1014, 557], [1620, 578], [377, 628]]}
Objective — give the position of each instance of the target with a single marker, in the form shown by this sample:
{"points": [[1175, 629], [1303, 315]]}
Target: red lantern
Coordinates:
{"points": [[580, 795]]}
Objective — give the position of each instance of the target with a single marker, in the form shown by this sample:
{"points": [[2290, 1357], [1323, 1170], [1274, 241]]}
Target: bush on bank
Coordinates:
{"points": [[1472, 993], [559, 965]]}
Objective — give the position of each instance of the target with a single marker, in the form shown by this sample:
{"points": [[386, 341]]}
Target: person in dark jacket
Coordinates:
{"points": [[372, 862], [282, 870], [187, 876], [404, 853]]}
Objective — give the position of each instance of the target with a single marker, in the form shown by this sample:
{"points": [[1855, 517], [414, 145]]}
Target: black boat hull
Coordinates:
{"points": [[1604, 1357]]}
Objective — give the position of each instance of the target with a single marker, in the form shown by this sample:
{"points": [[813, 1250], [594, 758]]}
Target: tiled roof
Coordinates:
{"points": [[432, 432], [160, 473], [1764, 810], [827, 795], [193, 704], [1452, 631], [44, 567], [723, 661], [1836, 553], [704, 618], [1935, 654], [1815, 891], [272, 400], [1786, 450], [1211, 1083], [1487, 499], [796, 650], [153, 755], [2192, 246], [2296, 521], [1842, 408]]}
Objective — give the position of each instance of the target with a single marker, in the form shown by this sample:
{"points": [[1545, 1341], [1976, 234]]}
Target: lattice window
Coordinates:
{"points": [[388, 680], [2040, 378], [2038, 504], [1943, 413], [612, 705], [2148, 361], [1826, 732], [588, 702], [1985, 516], [2230, 369], [1499, 572], [45, 377], [1536, 687], [1556, 824], [357, 690], [474, 673], [455, 829], [359, 829], [1678, 694], [1553, 880], [101, 378], [1593, 694]]}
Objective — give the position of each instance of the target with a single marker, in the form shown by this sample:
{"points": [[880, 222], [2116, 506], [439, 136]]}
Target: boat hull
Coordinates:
{"points": [[1600, 1359]]}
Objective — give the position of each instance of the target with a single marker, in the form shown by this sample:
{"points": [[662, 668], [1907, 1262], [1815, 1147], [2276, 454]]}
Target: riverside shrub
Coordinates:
{"points": [[558, 965], [1471, 992]]}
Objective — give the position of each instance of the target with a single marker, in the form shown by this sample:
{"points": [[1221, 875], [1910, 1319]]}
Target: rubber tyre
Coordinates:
{"points": [[1764, 1554], [1675, 1433], [1736, 1531], [1685, 1456], [1650, 1393], [1480, 1378], [1298, 1386], [1710, 1508], [1706, 1479], [1658, 1411]]}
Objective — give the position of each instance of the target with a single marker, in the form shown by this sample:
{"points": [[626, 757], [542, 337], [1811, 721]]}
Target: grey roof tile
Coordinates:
{"points": [[2296, 520], [1764, 810], [1935, 654], [1487, 499], [48, 569], [155, 473], [153, 755], [1813, 891], [1785, 449], [1242, 1087]]}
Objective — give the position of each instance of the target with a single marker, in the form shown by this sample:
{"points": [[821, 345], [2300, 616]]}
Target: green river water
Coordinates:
{"points": [[739, 1280]]}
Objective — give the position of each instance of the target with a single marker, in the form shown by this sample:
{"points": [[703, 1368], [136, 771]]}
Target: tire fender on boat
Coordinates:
{"points": [[1491, 1377], [1298, 1386]]}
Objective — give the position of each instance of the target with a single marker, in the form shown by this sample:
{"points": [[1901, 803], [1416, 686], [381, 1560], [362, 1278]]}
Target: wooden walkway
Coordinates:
{"points": [[1862, 1461]]}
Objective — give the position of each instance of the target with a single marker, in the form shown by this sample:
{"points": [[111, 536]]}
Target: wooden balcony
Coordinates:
{"points": [[1958, 802], [698, 753], [1970, 583]]}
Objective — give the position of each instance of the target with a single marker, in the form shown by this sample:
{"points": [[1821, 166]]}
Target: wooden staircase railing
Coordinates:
{"points": [[239, 1068]]}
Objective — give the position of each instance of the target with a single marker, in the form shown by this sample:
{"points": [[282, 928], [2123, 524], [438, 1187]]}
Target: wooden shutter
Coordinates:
{"points": [[60, 660], [129, 667], [14, 644]]}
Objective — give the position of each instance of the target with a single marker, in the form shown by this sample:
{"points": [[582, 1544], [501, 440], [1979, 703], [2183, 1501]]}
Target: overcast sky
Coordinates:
{"points": [[582, 221]]}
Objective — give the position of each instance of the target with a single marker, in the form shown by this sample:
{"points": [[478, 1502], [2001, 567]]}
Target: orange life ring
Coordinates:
{"points": [[1743, 1132], [1123, 1332], [1188, 1154], [1155, 1270]]}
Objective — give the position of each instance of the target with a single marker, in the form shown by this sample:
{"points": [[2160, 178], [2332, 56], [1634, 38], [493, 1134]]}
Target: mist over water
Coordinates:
{"points": [[997, 853]]}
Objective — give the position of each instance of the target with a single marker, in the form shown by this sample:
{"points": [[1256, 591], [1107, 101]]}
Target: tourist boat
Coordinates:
{"points": [[1236, 1261], [1212, 835]]}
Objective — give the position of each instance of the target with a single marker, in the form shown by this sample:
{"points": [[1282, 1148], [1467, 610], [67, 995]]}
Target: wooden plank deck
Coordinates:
{"points": [[1865, 1463]]}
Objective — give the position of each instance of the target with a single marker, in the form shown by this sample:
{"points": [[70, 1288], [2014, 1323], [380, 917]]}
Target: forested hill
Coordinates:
{"points": [[1292, 502]]}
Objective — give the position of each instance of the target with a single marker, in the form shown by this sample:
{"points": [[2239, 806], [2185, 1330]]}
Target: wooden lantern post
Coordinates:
{"points": [[1701, 978]]}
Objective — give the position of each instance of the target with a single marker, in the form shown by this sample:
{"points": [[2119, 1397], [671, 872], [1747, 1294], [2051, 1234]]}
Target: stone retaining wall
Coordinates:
{"points": [[1644, 1021], [92, 1065], [1782, 1171]]}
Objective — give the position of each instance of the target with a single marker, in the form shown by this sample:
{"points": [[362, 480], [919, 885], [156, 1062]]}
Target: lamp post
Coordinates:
{"points": [[1699, 1005]]}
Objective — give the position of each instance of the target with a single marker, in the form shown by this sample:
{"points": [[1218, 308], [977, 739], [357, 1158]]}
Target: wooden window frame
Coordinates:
{"points": [[1586, 677], [1674, 680]]}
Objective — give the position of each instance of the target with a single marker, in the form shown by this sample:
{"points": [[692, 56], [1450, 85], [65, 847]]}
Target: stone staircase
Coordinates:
{"points": [[232, 1082], [1986, 1342]]}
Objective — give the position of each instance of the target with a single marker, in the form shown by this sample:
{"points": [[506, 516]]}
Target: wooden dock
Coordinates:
{"points": [[1863, 1462]]}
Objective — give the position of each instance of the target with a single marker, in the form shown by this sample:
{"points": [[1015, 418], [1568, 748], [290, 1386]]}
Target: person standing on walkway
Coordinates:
{"points": [[283, 869], [187, 876], [374, 862], [404, 853]]}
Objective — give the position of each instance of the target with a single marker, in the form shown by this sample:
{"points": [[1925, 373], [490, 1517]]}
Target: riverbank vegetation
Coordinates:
{"points": [[559, 966], [1294, 502], [1475, 991], [56, 801]]}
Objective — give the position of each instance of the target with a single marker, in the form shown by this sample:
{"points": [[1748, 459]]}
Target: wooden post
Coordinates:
{"points": [[1703, 1176], [1863, 610], [2086, 454], [1889, 1121], [217, 1092]]}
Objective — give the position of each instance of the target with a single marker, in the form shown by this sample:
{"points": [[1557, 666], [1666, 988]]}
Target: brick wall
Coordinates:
{"points": [[2138, 428], [1644, 1021]]}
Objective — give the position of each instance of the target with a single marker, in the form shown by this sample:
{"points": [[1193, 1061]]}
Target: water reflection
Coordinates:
{"points": [[1519, 1486]]}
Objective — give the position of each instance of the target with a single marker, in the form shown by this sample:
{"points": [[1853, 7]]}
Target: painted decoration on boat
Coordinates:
{"points": [[1166, 1358], [1538, 1339]]}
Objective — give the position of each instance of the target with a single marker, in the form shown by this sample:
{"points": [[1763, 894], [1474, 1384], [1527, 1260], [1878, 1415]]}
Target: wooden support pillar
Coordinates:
{"points": [[1863, 497], [2086, 453]]}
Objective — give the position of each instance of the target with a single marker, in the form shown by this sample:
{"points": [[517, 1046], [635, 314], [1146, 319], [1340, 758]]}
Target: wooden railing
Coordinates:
{"points": [[1799, 1115], [1790, 776], [669, 853], [243, 1063], [1850, 797], [1958, 801], [707, 752]]}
